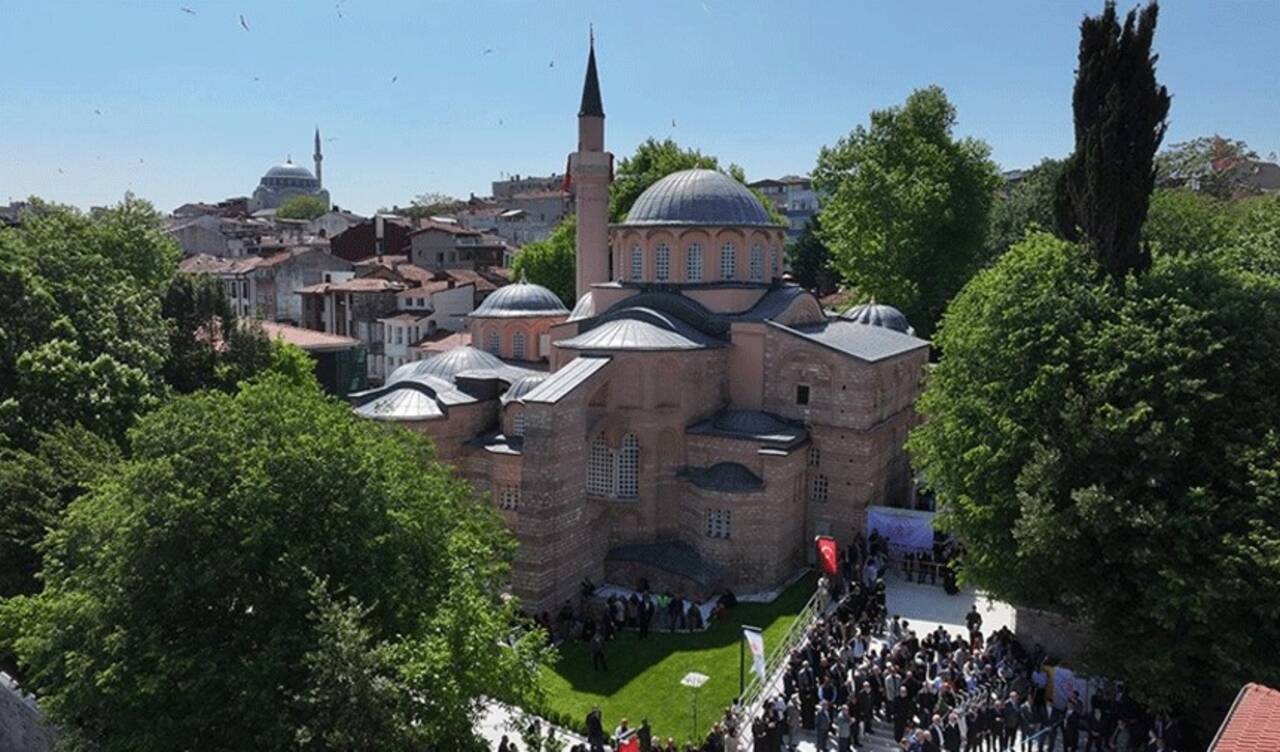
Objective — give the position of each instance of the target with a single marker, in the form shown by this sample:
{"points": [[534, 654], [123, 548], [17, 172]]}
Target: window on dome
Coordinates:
{"points": [[693, 263], [637, 264], [728, 261], [757, 263], [493, 343], [662, 263], [517, 346]]}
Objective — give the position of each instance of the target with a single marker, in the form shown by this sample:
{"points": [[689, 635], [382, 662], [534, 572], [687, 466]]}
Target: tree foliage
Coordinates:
{"points": [[191, 593], [907, 206], [1120, 119], [83, 338], [1108, 449], [552, 262], [1029, 205], [1207, 165], [1181, 221], [302, 207], [810, 260]]}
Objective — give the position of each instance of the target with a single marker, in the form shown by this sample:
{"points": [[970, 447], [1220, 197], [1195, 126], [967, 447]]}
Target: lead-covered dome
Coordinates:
{"points": [[698, 197], [520, 299], [448, 364], [878, 314], [290, 170]]}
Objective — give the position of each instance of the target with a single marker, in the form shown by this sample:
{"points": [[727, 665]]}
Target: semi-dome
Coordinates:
{"points": [[290, 170], [878, 314], [698, 197], [520, 299], [585, 308], [522, 386], [448, 364]]}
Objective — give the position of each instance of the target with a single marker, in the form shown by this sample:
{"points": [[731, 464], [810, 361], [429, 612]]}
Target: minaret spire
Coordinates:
{"points": [[318, 157], [591, 105], [590, 171]]}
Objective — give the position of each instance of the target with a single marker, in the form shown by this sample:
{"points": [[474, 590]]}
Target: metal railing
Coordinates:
{"points": [[753, 696]]}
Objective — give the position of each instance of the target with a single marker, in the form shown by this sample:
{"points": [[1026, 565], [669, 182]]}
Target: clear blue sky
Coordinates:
{"points": [[761, 84]]}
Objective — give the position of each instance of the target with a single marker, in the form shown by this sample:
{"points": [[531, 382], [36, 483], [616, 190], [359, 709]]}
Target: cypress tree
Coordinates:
{"points": [[1120, 113]]}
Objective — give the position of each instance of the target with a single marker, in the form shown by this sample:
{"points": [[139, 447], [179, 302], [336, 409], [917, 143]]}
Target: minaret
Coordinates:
{"points": [[318, 157], [590, 172]]}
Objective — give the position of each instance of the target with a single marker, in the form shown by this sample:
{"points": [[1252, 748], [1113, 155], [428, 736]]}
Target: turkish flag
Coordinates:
{"points": [[630, 745], [827, 555]]}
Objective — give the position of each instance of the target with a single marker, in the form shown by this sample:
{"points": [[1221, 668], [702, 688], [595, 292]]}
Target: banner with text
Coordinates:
{"points": [[905, 528]]}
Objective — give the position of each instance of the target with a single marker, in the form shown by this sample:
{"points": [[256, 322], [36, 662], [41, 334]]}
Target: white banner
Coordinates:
{"points": [[755, 641], [907, 528]]}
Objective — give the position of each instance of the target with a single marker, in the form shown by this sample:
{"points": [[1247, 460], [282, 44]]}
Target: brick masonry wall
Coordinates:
{"points": [[22, 727]]}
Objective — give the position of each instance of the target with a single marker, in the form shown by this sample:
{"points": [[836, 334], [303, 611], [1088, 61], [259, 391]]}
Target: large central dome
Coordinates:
{"points": [[290, 170], [698, 197]]}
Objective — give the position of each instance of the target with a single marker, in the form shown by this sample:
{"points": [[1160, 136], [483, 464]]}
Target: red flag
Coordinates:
{"points": [[827, 555], [630, 745]]}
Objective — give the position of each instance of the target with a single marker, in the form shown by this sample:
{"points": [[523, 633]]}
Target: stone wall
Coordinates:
{"points": [[22, 727]]}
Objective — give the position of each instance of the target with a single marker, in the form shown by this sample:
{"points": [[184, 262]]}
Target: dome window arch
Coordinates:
{"points": [[728, 261], [518, 345], [637, 264], [662, 262], [693, 263]]}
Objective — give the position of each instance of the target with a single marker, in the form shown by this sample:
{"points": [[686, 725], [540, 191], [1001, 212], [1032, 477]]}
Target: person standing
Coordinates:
{"points": [[1011, 719], [844, 722], [901, 713], [595, 730], [1070, 728], [822, 728], [793, 720], [598, 662], [951, 736]]}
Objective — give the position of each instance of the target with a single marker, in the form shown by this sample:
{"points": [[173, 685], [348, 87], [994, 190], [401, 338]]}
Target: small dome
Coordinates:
{"points": [[698, 197], [522, 386], [290, 170], [749, 422], [877, 314], [448, 364], [585, 308], [519, 300]]}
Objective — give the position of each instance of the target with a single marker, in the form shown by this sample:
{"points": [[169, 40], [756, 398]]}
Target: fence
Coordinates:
{"points": [[753, 696]]}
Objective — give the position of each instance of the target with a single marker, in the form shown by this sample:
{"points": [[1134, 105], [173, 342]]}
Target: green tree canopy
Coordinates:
{"points": [[1206, 164], [810, 261], [551, 262], [302, 207], [1181, 221], [1108, 449], [1119, 112], [1028, 205], [907, 206], [190, 594], [83, 338]]}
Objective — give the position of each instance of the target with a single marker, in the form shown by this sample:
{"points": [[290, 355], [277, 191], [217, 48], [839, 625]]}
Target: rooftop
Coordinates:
{"points": [[753, 425], [698, 197], [725, 477], [862, 341], [308, 339], [1252, 724]]}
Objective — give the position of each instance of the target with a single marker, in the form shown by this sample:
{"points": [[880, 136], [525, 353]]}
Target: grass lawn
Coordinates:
{"points": [[643, 680]]}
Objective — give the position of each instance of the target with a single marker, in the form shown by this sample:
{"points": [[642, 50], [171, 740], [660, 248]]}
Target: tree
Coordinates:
{"points": [[551, 262], [302, 207], [907, 206], [1029, 205], [83, 338], [1207, 164], [1181, 221], [810, 261], [1107, 449], [38, 485], [181, 597], [1120, 119]]}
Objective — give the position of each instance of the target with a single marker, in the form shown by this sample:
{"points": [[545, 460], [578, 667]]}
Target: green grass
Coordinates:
{"points": [[643, 680]]}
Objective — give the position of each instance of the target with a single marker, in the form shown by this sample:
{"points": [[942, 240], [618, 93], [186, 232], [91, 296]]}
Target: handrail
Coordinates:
{"points": [[753, 696]]}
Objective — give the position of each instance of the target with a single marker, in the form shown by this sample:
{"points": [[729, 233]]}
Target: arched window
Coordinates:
{"points": [[637, 264], [517, 423], [517, 346], [757, 264], [493, 343], [773, 262], [600, 469], [662, 262], [629, 468], [693, 263], [728, 261]]}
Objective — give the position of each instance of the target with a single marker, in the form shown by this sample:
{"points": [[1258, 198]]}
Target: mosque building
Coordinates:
{"points": [[284, 181], [693, 422]]}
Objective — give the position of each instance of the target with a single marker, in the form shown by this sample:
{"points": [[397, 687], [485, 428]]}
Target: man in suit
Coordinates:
{"points": [[951, 736], [822, 728], [1011, 719], [595, 730], [1071, 727]]}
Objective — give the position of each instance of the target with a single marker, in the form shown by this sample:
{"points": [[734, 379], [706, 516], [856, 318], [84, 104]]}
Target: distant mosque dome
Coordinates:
{"points": [[519, 300], [290, 170], [698, 197], [878, 314]]}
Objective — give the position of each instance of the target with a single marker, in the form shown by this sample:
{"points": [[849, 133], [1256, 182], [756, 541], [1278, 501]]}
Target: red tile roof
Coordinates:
{"points": [[443, 340], [1252, 724], [307, 339], [390, 261], [452, 229], [359, 284]]}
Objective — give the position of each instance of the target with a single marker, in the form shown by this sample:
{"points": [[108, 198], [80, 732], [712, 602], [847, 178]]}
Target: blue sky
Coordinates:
{"points": [[761, 84]]}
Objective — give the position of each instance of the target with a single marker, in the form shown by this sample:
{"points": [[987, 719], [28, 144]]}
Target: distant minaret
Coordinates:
{"points": [[318, 157], [590, 171]]}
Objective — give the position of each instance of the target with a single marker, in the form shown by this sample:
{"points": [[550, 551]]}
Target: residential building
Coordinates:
{"points": [[793, 197], [340, 365], [380, 235], [265, 287]]}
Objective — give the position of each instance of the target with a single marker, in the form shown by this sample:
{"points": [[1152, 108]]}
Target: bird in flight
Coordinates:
{"points": [[60, 172], [552, 64], [188, 11], [487, 51], [393, 79], [97, 112], [243, 22], [673, 122]]}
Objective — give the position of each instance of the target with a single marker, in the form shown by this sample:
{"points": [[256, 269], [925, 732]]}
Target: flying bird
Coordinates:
{"points": [[499, 121], [552, 64], [673, 122], [487, 51], [97, 112], [243, 22], [393, 79], [255, 78], [60, 172], [188, 10]]}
